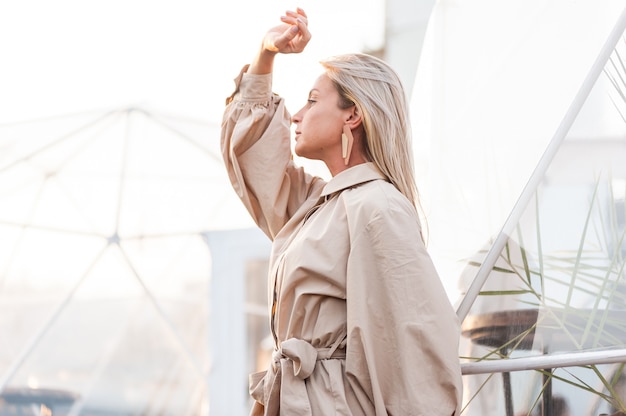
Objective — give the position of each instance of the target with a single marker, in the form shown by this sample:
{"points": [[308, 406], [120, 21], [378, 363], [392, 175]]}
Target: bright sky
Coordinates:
{"points": [[180, 56]]}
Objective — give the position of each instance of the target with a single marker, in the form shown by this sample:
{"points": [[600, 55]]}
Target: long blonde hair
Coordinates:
{"points": [[376, 90]]}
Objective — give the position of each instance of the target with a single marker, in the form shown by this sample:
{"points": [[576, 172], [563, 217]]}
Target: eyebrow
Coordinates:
{"points": [[313, 90]]}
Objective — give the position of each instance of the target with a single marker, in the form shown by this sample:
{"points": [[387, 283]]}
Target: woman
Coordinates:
{"points": [[360, 320]]}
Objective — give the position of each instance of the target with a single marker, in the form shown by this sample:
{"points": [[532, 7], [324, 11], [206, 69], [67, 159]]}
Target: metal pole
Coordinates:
{"points": [[541, 168], [540, 362]]}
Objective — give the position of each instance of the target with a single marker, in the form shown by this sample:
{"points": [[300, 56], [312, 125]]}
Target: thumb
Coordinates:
{"points": [[287, 36]]}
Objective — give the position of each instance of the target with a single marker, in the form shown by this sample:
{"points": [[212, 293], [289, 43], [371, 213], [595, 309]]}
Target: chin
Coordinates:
{"points": [[298, 151]]}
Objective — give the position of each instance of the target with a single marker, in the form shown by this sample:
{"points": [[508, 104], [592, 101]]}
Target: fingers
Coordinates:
{"points": [[296, 35], [299, 13], [297, 18], [292, 35]]}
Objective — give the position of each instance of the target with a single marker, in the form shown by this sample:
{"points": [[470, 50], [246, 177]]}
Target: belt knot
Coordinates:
{"points": [[302, 354], [292, 363]]}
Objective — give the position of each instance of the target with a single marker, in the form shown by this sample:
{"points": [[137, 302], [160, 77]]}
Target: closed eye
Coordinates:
{"points": [[310, 101]]}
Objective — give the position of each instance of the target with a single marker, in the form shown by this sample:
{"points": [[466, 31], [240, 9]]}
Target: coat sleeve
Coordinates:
{"points": [[403, 334], [256, 148]]}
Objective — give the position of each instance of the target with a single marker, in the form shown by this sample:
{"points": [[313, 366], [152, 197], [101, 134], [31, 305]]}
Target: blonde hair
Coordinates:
{"points": [[376, 90]]}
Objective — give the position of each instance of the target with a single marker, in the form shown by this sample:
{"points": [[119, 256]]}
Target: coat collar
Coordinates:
{"points": [[353, 176]]}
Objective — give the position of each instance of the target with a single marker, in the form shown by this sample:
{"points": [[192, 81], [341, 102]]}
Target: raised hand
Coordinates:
{"points": [[290, 37]]}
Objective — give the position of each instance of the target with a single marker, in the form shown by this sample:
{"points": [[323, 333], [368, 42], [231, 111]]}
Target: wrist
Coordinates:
{"points": [[263, 63]]}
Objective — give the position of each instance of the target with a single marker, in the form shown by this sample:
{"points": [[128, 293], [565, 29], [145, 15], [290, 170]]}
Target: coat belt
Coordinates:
{"points": [[281, 389]]}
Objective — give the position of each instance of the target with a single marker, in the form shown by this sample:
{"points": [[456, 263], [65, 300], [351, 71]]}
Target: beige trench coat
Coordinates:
{"points": [[361, 322]]}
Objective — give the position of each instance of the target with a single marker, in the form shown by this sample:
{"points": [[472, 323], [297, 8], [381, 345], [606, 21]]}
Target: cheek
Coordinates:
{"points": [[321, 128]]}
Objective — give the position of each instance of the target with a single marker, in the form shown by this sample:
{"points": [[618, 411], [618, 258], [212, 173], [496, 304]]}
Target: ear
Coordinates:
{"points": [[353, 117]]}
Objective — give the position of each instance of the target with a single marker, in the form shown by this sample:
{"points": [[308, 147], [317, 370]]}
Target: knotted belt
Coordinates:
{"points": [[281, 389]]}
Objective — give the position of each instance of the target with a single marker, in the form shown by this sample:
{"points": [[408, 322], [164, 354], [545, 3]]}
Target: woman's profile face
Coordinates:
{"points": [[318, 125]]}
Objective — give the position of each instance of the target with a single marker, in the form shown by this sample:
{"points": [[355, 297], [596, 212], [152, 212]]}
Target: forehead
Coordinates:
{"points": [[324, 85]]}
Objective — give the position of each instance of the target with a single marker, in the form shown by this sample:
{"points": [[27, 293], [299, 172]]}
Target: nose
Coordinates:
{"points": [[296, 118]]}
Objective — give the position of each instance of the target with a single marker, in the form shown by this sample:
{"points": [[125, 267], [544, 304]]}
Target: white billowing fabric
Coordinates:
{"points": [[494, 81], [362, 324]]}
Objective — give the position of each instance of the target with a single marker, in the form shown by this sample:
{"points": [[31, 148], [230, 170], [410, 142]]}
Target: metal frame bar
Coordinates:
{"points": [[541, 362], [542, 166]]}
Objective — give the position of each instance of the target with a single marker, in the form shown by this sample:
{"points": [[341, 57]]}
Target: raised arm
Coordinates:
{"points": [[256, 136]]}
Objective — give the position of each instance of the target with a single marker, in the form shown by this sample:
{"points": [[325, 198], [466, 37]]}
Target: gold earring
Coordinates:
{"points": [[347, 140]]}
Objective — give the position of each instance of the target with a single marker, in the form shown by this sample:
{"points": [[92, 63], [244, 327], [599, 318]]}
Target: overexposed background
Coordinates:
{"points": [[69, 55]]}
